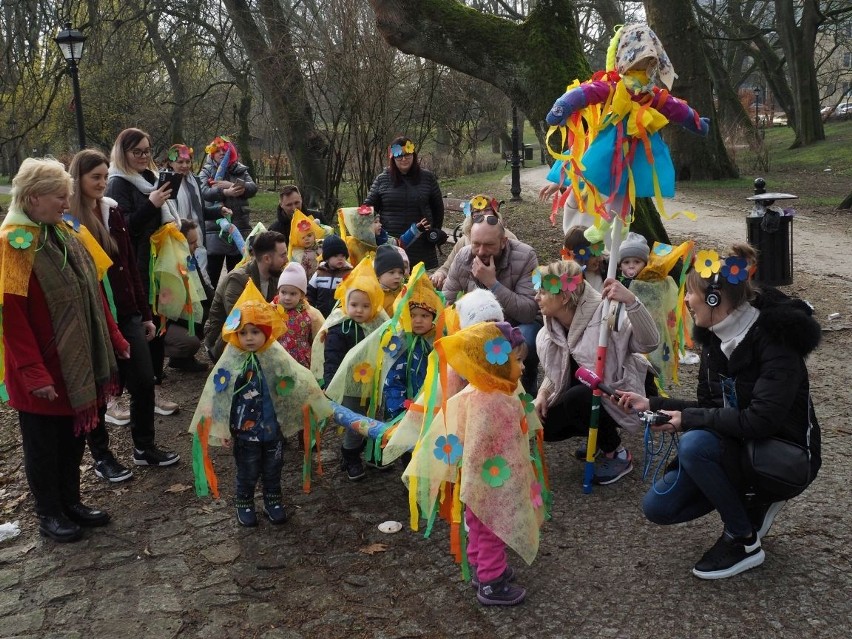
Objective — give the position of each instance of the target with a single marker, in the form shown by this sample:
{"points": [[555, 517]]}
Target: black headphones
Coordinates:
{"points": [[713, 294]]}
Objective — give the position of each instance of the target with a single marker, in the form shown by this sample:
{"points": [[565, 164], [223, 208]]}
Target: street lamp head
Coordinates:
{"points": [[70, 42]]}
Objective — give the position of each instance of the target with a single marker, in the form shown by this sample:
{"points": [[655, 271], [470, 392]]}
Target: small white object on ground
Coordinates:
{"points": [[689, 358], [390, 527], [9, 530], [834, 316]]}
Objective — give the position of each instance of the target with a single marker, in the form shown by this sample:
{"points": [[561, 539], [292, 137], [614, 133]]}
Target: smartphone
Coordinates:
{"points": [[174, 179]]}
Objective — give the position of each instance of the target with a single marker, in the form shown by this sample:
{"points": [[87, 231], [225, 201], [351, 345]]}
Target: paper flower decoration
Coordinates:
{"points": [[535, 495], [396, 151], [551, 283], [582, 254], [363, 373], [285, 386], [570, 282], [20, 239], [365, 210], [73, 221], [448, 449], [707, 263], [393, 345], [536, 279], [190, 263], [496, 471], [735, 269], [409, 147], [527, 400], [597, 248], [233, 321], [666, 352], [479, 203], [567, 254], [304, 226], [465, 207], [221, 379], [497, 350], [662, 249]]}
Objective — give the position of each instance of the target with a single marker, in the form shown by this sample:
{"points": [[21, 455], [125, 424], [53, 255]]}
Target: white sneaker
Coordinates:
{"points": [[163, 406], [117, 414]]}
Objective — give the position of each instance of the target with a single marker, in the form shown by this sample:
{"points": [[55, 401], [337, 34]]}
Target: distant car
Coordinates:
{"points": [[780, 120], [838, 112], [844, 110]]}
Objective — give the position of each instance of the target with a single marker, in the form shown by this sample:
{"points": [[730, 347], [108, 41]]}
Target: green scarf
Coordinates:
{"points": [[67, 277]]}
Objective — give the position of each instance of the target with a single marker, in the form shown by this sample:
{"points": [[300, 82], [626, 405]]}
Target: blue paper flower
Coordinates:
{"points": [[735, 269], [497, 350], [465, 207], [221, 379], [396, 151], [190, 263], [233, 321], [393, 345], [536, 279], [666, 352], [662, 249], [73, 221], [448, 449]]}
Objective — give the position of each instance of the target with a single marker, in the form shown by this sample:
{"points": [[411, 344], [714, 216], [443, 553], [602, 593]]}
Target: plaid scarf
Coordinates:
{"points": [[67, 276]]}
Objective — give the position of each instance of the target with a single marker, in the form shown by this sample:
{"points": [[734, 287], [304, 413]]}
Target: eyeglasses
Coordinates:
{"points": [[490, 218], [141, 153]]}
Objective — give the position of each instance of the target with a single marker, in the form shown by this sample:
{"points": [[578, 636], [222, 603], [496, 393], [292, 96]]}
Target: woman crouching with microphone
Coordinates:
{"points": [[752, 385]]}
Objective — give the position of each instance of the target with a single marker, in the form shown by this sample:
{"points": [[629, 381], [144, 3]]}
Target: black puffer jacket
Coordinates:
{"points": [[770, 377], [239, 205], [401, 205]]}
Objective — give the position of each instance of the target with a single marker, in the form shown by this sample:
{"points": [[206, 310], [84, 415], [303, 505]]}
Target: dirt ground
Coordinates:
{"points": [[173, 565]]}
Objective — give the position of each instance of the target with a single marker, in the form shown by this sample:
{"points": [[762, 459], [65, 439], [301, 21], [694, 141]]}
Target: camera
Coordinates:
{"points": [[655, 419], [436, 236]]}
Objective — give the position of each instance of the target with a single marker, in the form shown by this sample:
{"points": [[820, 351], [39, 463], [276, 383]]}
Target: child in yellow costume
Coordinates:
{"points": [[256, 396], [386, 370], [359, 314], [303, 246], [362, 231], [479, 442]]}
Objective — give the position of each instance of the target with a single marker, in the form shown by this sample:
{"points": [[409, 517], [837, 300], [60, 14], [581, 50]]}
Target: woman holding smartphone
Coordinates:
{"points": [[225, 179], [133, 178]]}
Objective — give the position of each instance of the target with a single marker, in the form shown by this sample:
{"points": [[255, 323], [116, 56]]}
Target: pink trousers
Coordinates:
{"points": [[485, 551]]}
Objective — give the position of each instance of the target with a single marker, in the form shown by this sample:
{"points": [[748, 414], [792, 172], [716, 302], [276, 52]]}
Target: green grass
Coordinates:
{"points": [[835, 152]]}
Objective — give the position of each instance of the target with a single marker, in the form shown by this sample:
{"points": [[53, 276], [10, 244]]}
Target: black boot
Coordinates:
{"points": [[352, 463]]}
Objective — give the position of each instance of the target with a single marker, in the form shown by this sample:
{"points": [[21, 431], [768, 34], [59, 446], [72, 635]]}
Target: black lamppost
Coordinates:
{"points": [[516, 158], [756, 90], [70, 42]]}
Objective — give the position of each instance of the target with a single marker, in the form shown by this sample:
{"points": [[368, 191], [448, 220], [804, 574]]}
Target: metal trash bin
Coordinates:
{"points": [[528, 152], [770, 232]]}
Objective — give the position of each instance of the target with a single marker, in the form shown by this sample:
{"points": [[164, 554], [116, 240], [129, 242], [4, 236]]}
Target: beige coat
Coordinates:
{"points": [[624, 368]]}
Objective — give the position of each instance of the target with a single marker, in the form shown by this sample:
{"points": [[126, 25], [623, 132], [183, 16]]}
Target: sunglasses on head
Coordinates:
{"points": [[490, 218]]}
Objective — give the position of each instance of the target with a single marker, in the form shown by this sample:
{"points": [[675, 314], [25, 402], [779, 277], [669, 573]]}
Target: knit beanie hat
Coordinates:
{"points": [[387, 259], [479, 305], [333, 245], [294, 275], [634, 245]]}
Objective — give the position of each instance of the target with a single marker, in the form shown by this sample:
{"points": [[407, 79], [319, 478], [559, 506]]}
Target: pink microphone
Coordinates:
{"points": [[590, 379]]}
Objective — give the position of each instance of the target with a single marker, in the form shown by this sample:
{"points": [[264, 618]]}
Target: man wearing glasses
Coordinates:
{"points": [[503, 266]]}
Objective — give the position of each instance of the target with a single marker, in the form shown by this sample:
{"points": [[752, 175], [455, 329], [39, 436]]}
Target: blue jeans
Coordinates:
{"points": [[529, 379], [256, 460], [703, 486]]}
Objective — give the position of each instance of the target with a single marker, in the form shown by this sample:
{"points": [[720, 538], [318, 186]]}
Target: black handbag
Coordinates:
{"points": [[777, 468]]}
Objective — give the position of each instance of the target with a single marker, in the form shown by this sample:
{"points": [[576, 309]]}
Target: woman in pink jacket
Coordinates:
{"points": [[573, 312]]}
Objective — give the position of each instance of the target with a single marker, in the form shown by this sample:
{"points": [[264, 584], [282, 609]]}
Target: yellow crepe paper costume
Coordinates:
{"points": [[176, 289], [356, 229], [475, 452], [299, 403], [362, 278]]}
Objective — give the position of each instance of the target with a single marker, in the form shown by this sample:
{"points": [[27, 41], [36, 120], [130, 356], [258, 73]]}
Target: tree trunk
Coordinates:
{"points": [[846, 203], [694, 158], [267, 40], [799, 43], [647, 221], [244, 134]]}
